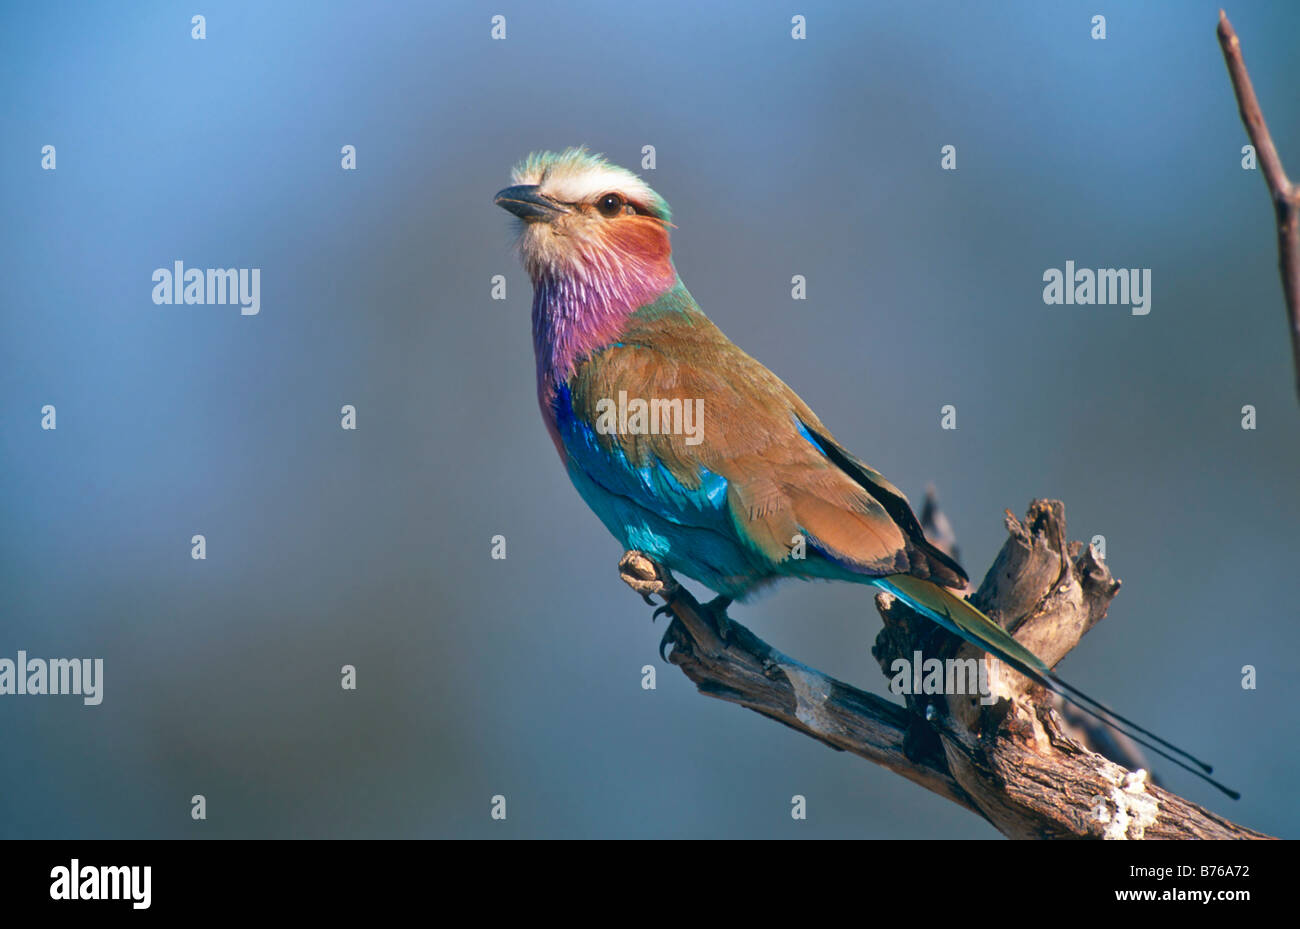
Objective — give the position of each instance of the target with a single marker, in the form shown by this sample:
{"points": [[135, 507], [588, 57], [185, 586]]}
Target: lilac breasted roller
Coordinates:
{"points": [[688, 449]]}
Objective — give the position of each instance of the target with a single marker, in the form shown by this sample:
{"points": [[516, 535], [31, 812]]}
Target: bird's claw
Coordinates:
{"points": [[665, 642], [717, 611], [714, 612]]}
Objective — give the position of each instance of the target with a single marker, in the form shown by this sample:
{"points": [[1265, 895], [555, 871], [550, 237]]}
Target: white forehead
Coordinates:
{"points": [[575, 175], [590, 183]]}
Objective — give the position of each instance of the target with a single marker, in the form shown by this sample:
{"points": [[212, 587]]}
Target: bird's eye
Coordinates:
{"points": [[610, 204]]}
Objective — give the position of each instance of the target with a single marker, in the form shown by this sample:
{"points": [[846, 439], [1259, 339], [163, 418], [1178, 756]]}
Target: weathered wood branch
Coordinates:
{"points": [[1285, 194], [1014, 761]]}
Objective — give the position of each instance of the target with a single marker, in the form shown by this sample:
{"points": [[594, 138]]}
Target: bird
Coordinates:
{"points": [[694, 453]]}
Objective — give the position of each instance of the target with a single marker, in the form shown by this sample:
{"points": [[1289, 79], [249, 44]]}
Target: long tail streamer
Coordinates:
{"points": [[960, 618]]}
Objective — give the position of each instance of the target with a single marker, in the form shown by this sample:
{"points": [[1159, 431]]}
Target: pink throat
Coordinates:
{"points": [[577, 313]]}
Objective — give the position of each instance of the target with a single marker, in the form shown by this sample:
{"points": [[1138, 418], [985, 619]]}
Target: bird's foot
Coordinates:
{"points": [[716, 611], [705, 625], [646, 577], [668, 635]]}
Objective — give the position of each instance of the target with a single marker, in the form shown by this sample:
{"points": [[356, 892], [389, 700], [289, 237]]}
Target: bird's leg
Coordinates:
{"points": [[646, 578]]}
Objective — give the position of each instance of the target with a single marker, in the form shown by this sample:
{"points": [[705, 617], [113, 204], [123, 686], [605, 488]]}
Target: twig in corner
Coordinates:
{"points": [[1286, 195]]}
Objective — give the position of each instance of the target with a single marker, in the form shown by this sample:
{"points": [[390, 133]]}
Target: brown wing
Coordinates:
{"points": [[785, 473]]}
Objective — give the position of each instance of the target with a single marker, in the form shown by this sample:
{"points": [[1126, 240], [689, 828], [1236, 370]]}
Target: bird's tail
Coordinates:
{"points": [[960, 618]]}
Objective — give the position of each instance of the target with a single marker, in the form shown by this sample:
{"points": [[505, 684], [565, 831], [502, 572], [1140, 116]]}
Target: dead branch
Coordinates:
{"points": [[1285, 195], [1015, 762]]}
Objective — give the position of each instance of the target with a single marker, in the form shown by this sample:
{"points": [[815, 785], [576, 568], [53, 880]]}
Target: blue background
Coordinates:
{"points": [[523, 677]]}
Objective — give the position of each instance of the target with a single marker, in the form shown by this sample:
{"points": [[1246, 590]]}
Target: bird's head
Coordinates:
{"points": [[582, 218]]}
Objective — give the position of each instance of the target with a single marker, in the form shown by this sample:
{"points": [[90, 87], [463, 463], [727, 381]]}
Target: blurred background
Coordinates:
{"points": [[522, 676]]}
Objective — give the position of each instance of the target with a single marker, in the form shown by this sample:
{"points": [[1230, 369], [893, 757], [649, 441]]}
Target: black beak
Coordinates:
{"points": [[529, 205]]}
